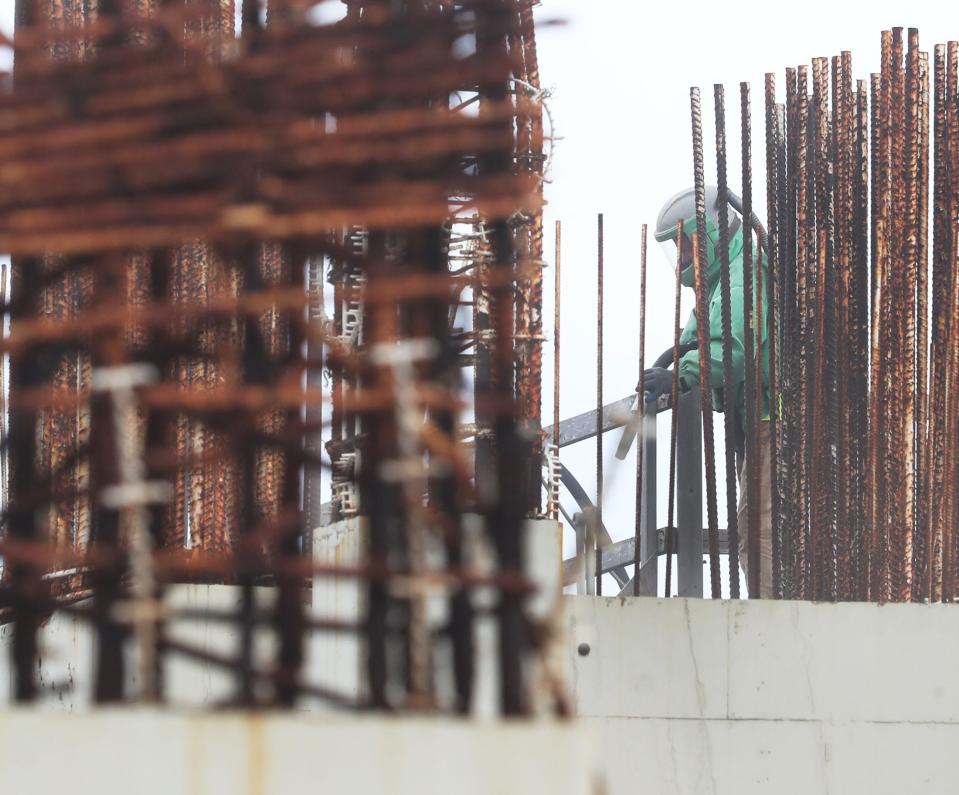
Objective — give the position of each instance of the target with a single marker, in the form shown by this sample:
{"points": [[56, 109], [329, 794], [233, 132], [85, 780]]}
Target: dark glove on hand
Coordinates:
{"points": [[657, 381]]}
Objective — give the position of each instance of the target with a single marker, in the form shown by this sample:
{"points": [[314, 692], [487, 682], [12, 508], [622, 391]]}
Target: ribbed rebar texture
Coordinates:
{"points": [[703, 336], [857, 311], [751, 321], [184, 213], [729, 391], [637, 532], [862, 363], [674, 402]]}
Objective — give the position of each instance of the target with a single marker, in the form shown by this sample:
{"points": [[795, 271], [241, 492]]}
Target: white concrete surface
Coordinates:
{"points": [[700, 696], [337, 660], [65, 664], [333, 659], [161, 753]]}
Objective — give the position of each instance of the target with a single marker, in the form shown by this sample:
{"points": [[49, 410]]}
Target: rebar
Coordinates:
{"points": [[203, 279], [594, 545], [774, 143], [939, 328], [922, 520], [859, 349], [703, 338], [753, 449], [729, 390], [640, 418], [861, 360], [674, 402], [792, 514]]}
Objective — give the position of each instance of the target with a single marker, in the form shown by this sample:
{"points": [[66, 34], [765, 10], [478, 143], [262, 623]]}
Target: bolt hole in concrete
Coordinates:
{"points": [[583, 649]]}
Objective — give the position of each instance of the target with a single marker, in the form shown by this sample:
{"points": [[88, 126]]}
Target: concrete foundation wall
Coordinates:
{"points": [[162, 753], [678, 696], [700, 696], [337, 660], [334, 660], [65, 664]]}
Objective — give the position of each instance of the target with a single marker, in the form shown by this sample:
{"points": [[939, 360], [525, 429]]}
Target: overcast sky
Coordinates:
{"points": [[620, 73]]}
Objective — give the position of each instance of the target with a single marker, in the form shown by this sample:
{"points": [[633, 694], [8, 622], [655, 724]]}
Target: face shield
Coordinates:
{"points": [[671, 252]]}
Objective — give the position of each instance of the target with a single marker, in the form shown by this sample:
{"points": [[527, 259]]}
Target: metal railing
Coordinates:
{"points": [[688, 539]]}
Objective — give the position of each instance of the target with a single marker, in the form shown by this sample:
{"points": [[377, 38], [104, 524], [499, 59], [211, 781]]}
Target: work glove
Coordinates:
{"points": [[657, 381]]}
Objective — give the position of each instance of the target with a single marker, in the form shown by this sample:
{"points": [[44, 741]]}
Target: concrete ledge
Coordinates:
{"points": [[739, 757], [700, 696], [690, 658], [147, 752]]}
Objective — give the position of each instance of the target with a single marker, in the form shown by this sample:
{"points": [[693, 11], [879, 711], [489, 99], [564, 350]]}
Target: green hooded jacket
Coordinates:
{"points": [[689, 364]]}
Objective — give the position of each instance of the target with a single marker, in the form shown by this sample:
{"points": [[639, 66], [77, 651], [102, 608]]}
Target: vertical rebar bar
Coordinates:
{"points": [[922, 525], [935, 446], [598, 517], [674, 403], [792, 514], [773, 209], [730, 388], [753, 452], [702, 327], [893, 325], [882, 424], [641, 420], [783, 558], [26, 373], [803, 541], [911, 135], [823, 408], [859, 350], [842, 253], [951, 388]]}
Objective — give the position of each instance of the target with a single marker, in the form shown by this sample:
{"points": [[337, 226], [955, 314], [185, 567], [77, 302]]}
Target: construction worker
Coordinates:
{"points": [[658, 379]]}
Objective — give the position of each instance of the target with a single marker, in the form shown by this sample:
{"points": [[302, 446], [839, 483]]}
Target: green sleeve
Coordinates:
{"points": [[689, 364]]}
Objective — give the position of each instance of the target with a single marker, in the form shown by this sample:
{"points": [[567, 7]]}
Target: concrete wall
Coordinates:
{"points": [[337, 660], [700, 696], [679, 696], [333, 659], [162, 753], [65, 664]]}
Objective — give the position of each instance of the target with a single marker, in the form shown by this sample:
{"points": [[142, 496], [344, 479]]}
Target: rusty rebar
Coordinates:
{"points": [[950, 470], [823, 408], [729, 388], [641, 419], [891, 332], [843, 208], [703, 338], [922, 518], [875, 544], [674, 403], [594, 546], [805, 250], [939, 327], [774, 143], [232, 388], [793, 529], [753, 450], [859, 348], [913, 137], [863, 359]]}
